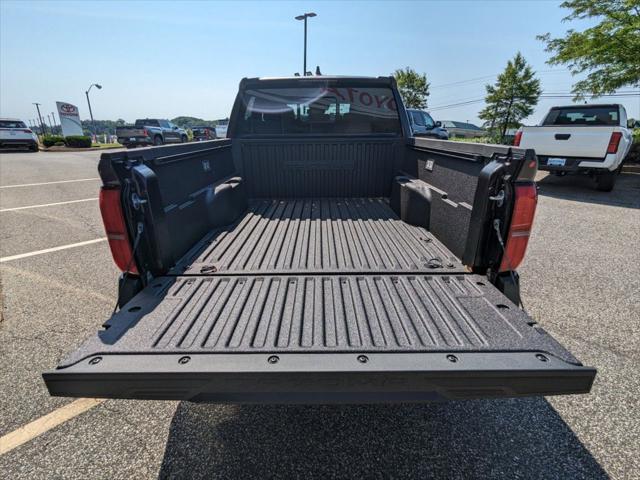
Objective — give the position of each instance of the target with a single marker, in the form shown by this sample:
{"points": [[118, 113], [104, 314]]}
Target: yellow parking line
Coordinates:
{"points": [[43, 424]]}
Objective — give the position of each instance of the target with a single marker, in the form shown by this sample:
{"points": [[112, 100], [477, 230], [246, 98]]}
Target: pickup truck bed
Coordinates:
{"points": [[306, 287], [325, 257]]}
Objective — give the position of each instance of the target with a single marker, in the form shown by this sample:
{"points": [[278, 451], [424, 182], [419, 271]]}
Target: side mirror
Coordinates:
{"points": [[176, 127], [438, 123]]}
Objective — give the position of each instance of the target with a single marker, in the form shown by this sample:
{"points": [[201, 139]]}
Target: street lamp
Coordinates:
{"points": [[93, 123], [43, 130], [304, 17]]}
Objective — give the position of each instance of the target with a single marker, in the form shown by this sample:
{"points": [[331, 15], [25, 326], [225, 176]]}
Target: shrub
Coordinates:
{"points": [[634, 153], [78, 141], [51, 140], [59, 144]]}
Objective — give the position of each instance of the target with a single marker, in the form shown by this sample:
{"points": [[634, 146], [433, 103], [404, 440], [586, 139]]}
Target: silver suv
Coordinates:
{"points": [[15, 134]]}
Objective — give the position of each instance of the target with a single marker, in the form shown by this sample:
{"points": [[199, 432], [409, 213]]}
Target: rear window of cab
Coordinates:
{"points": [[318, 111]]}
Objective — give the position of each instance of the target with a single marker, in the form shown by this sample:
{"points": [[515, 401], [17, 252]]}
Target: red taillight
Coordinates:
{"points": [[145, 133], [521, 222], [517, 138], [114, 225], [614, 141]]}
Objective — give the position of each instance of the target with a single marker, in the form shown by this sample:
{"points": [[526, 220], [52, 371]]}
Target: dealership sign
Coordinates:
{"points": [[69, 119]]}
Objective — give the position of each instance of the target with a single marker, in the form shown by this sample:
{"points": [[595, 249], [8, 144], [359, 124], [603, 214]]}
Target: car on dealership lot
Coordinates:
{"points": [[591, 138], [150, 131], [221, 128], [203, 133], [14, 133], [423, 125], [463, 129]]}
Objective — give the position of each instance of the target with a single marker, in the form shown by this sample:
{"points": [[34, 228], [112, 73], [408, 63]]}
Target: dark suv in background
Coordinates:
{"points": [[202, 133], [422, 125]]}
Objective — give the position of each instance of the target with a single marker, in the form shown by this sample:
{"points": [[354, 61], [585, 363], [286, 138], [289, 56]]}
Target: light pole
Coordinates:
{"points": [[93, 123], [42, 127], [53, 117], [304, 17], [50, 123]]}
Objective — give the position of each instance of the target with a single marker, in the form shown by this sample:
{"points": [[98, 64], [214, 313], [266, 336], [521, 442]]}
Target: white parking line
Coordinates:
{"points": [[49, 250], [47, 205], [49, 183], [43, 424]]}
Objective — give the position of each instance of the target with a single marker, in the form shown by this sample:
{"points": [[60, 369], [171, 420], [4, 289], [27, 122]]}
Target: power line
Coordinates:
{"points": [[549, 95], [487, 77]]}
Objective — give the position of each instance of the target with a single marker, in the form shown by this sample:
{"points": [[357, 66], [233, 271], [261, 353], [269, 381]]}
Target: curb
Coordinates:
{"points": [[68, 149]]}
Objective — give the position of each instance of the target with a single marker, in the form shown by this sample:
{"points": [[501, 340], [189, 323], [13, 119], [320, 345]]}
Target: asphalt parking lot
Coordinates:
{"points": [[581, 281]]}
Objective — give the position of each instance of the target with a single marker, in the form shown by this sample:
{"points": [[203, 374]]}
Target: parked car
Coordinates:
{"points": [[15, 134], [422, 125], [592, 139], [321, 253], [203, 133], [463, 129], [150, 131], [221, 128]]}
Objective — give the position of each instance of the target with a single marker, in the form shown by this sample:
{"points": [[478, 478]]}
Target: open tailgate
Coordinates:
{"points": [[320, 339]]}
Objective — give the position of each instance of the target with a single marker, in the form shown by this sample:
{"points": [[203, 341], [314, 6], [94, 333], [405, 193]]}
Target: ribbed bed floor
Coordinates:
{"points": [[324, 236], [323, 275]]}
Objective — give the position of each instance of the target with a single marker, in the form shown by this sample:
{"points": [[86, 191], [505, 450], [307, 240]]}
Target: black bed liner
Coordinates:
{"points": [[323, 235], [320, 300]]}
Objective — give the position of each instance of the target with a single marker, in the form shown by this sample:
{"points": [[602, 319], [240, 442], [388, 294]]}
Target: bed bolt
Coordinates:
{"points": [[363, 358], [273, 359], [184, 360], [542, 357], [452, 358], [95, 360]]}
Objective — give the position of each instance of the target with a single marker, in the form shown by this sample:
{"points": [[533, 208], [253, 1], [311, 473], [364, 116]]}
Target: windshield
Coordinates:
{"points": [[318, 110], [594, 116], [12, 124]]}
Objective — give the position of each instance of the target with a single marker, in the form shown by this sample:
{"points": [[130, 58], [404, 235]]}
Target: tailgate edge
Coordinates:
{"points": [[320, 377]]}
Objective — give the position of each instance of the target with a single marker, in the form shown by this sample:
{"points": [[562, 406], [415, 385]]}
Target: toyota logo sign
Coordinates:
{"points": [[70, 109]]}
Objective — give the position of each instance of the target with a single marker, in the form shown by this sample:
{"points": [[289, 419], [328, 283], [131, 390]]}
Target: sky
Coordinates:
{"points": [[165, 58]]}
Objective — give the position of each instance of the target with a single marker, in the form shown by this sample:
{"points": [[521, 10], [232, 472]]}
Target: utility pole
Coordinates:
{"points": [[42, 127], [53, 117], [304, 17], [50, 123]]}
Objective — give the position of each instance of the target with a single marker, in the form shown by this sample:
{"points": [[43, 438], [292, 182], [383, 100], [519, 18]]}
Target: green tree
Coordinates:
{"points": [[413, 87], [511, 99], [609, 51]]}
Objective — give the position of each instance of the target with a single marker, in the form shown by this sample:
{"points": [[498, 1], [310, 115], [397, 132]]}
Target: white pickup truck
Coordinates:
{"points": [[592, 139]]}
